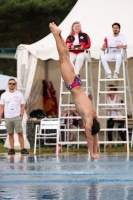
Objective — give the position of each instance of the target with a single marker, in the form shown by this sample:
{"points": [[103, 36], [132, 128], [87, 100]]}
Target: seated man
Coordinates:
{"points": [[72, 124], [73, 83], [115, 44], [114, 98]]}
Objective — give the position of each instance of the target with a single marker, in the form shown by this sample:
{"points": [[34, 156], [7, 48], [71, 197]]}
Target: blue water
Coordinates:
{"points": [[66, 177]]}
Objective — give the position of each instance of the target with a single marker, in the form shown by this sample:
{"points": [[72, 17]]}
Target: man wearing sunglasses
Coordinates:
{"points": [[12, 104], [115, 45]]}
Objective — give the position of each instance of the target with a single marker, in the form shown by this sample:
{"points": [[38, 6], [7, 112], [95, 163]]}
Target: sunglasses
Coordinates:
{"points": [[12, 83]]}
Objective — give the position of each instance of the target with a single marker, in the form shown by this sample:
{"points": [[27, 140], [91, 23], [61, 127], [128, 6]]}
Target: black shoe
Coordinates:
{"points": [[24, 151], [11, 152]]}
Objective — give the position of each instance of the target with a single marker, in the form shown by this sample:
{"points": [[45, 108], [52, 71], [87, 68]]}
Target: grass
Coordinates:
{"points": [[82, 149]]}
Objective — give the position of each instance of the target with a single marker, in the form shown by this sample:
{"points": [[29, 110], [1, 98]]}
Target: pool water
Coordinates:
{"points": [[66, 177]]}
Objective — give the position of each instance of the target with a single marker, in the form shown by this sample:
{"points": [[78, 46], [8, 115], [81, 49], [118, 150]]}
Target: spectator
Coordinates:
{"points": [[12, 104], [77, 42], [113, 98], [115, 44], [72, 124]]}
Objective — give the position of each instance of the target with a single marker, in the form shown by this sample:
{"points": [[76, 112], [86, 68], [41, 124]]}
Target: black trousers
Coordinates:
{"points": [[120, 124], [2, 141]]}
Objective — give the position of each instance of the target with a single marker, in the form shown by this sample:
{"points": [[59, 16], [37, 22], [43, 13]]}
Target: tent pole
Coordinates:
{"points": [[46, 70]]}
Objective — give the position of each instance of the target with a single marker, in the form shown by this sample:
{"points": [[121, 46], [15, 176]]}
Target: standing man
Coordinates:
{"points": [[73, 83], [12, 104], [115, 44]]}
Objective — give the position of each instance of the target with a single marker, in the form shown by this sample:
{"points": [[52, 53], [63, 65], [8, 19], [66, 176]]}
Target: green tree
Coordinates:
{"points": [[26, 21]]}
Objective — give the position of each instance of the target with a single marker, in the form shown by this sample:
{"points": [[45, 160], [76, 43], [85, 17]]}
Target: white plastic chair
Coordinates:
{"points": [[3, 127], [130, 130], [132, 138], [40, 132]]}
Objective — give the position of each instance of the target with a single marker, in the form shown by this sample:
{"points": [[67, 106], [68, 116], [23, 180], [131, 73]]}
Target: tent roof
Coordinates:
{"points": [[4, 80], [96, 17]]}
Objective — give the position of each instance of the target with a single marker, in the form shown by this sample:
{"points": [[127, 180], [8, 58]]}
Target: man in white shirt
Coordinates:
{"points": [[12, 104], [115, 44], [114, 98]]}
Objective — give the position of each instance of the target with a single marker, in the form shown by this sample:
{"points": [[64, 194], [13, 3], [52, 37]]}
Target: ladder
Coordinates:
{"points": [[65, 102], [124, 89]]}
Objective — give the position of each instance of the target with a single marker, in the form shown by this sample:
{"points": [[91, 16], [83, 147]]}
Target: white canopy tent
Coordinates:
{"points": [[40, 60]]}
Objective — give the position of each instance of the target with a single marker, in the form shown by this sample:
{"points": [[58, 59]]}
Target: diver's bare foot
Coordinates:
{"points": [[54, 28]]}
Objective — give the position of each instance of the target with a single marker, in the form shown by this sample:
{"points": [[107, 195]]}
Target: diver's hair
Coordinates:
{"points": [[95, 127]]}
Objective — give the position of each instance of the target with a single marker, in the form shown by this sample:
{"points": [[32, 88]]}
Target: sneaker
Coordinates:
{"points": [[11, 152], [115, 76], [109, 76], [24, 151]]}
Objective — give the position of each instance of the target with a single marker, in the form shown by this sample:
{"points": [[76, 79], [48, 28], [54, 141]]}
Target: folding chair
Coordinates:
{"points": [[40, 132], [130, 129], [3, 129]]}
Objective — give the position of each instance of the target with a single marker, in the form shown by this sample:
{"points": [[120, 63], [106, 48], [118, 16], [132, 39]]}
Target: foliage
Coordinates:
{"points": [[8, 67], [26, 21]]}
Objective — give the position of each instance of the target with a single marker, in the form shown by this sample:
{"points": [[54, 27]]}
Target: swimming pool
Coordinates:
{"points": [[66, 177]]}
